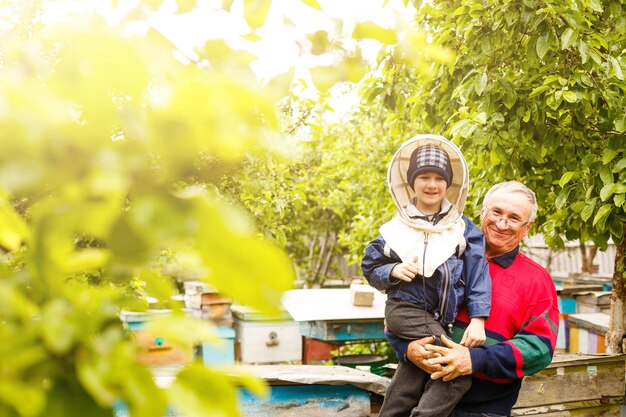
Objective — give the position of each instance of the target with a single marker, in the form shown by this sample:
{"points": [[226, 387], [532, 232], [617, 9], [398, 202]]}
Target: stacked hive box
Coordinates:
{"points": [[206, 303], [262, 339], [155, 350], [587, 332]]}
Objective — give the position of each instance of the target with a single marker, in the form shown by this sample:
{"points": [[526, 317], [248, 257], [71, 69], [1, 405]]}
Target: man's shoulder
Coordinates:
{"points": [[529, 261], [531, 266]]}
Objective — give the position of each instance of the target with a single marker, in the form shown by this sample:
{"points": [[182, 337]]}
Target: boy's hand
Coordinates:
{"points": [[475, 333], [405, 271]]}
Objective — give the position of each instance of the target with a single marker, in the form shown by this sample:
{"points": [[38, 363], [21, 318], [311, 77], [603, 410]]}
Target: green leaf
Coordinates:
{"points": [[198, 391], [568, 38], [570, 96], [324, 77], [596, 5], [583, 49], [616, 227], [620, 123], [603, 213], [313, 3], [370, 30], [481, 83], [619, 199], [586, 213], [25, 398], [542, 44], [58, 331], [538, 90], [185, 6], [605, 175], [320, 42], [578, 206], [561, 199], [565, 178], [617, 69], [493, 157], [596, 57], [255, 12], [127, 243], [510, 96], [84, 260], [262, 271], [619, 165], [607, 191], [13, 230], [608, 155]]}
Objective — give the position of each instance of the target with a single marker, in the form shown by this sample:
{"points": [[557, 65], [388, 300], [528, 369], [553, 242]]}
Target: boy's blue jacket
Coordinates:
{"points": [[459, 280]]}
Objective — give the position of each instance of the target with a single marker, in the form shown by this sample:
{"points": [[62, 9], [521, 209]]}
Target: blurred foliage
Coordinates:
{"points": [[327, 203], [111, 149], [119, 174]]}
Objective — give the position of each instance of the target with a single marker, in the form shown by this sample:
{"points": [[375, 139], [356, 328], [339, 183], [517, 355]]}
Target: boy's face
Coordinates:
{"points": [[430, 190]]}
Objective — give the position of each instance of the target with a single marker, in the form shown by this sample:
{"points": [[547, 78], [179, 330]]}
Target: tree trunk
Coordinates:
{"points": [[588, 257], [315, 276], [329, 253], [549, 259], [616, 331]]}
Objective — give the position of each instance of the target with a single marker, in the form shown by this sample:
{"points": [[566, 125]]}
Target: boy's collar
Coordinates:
{"points": [[433, 218], [413, 211]]}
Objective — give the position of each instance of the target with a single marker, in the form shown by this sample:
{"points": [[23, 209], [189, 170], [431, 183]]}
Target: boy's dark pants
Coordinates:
{"points": [[412, 392]]}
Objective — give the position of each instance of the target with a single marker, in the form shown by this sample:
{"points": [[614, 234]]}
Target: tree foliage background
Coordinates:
{"points": [[530, 90], [124, 170], [112, 153], [536, 94]]}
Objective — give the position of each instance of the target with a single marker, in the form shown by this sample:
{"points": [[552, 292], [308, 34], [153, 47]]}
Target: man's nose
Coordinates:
{"points": [[502, 223]]}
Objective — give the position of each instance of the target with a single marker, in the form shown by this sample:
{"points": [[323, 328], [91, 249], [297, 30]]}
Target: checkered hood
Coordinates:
{"points": [[433, 153]]}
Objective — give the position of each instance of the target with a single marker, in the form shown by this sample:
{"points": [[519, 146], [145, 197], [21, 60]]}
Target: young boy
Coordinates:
{"points": [[429, 260]]}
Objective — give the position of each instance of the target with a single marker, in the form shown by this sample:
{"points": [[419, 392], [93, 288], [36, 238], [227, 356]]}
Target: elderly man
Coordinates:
{"points": [[523, 325]]}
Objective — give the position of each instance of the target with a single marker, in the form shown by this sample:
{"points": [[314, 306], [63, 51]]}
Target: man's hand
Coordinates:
{"points": [[417, 353], [405, 271], [475, 333], [455, 360]]}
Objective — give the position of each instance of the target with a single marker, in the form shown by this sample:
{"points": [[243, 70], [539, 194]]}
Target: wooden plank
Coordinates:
{"points": [[583, 341], [245, 313], [573, 340], [595, 322], [587, 379], [608, 407], [598, 298], [575, 359]]}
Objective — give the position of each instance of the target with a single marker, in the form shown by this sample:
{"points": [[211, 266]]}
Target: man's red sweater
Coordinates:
{"points": [[521, 333]]}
